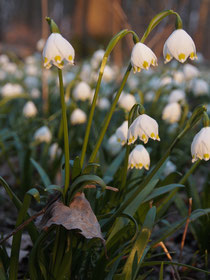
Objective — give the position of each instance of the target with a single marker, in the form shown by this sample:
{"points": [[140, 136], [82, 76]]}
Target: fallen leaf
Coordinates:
{"points": [[78, 215]]}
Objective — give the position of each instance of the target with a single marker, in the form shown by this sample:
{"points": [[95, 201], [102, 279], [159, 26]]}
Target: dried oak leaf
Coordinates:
{"points": [[78, 215]]}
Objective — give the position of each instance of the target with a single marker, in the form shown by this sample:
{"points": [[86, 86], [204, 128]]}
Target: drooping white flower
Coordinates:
{"points": [[190, 71], [122, 133], [139, 158], [97, 58], [57, 50], [200, 87], [78, 117], [176, 95], [142, 57], [40, 44], [126, 101], [167, 80], [109, 74], [10, 68], [43, 134], [54, 151], [29, 110], [35, 93], [172, 112], [178, 77], [103, 103], [200, 147], [180, 46], [113, 146], [143, 127], [82, 91], [10, 90]]}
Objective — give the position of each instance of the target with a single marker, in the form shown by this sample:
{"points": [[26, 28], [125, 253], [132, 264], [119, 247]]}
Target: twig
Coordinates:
{"points": [[186, 228]]}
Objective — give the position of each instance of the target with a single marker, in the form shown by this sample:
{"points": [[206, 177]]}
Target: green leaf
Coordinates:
{"points": [[34, 193], [162, 190], [31, 227], [7, 99], [89, 168], [54, 188], [76, 170], [161, 271], [42, 173], [130, 270], [132, 207]]}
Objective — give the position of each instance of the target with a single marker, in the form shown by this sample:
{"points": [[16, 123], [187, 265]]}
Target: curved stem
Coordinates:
{"points": [[109, 115], [65, 132], [110, 47]]}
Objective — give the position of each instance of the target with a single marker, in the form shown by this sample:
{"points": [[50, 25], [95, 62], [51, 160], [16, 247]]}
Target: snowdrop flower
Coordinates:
{"points": [[149, 96], [109, 74], [126, 101], [178, 77], [32, 70], [82, 91], [172, 112], [56, 51], [103, 103], [35, 93], [113, 146], [4, 59], [29, 110], [10, 68], [40, 44], [190, 71], [180, 46], [170, 167], [200, 147], [165, 81], [139, 158], [143, 127], [10, 90], [43, 134], [201, 87], [78, 117], [122, 133], [142, 57], [97, 58], [54, 151], [176, 95]]}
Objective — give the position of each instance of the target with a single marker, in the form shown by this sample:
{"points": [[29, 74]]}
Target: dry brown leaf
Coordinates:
{"points": [[78, 215]]}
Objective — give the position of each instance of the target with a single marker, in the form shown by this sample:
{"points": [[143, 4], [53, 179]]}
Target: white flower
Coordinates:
{"points": [[4, 59], [40, 44], [113, 146], [109, 74], [200, 147], [103, 103], [172, 112], [180, 46], [170, 167], [126, 101], [54, 151], [78, 117], [82, 91], [149, 96], [97, 58], [190, 71], [139, 158], [122, 133], [176, 95], [165, 81], [43, 134], [200, 87], [178, 77], [32, 70], [142, 57], [56, 51], [10, 68], [35, 93], [143, 127], [11, 90], [29, 109]]}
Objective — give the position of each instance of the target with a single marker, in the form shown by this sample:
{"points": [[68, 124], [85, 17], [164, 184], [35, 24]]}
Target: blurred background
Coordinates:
{"points": [[89, 24]]}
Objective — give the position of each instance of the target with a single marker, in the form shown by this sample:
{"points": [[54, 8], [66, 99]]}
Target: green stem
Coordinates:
{"points": [[109, 115], [110, 47], [66, 137]]}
